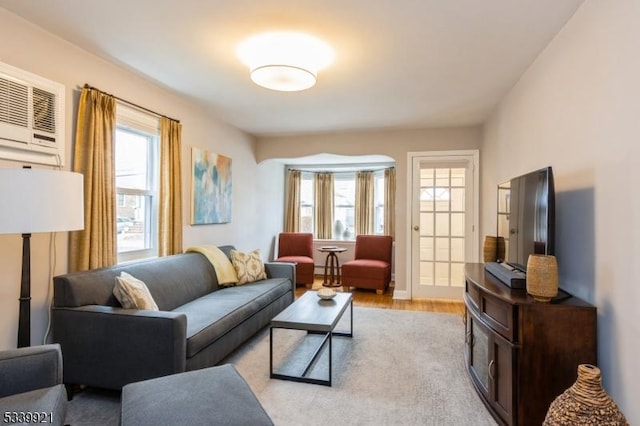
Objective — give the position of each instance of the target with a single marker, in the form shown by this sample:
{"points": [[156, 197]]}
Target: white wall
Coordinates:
{"points": [[394, 143], [41, 53], [577, 109], [269, 209]]}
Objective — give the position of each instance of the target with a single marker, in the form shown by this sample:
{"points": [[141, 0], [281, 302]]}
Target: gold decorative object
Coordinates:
{"points": [[542, 277], [490, 250], [585, 403]]}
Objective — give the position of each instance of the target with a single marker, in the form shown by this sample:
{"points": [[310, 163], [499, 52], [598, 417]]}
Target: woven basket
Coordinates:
{"points": [[542, 277], [490, 249], [585, 403]]}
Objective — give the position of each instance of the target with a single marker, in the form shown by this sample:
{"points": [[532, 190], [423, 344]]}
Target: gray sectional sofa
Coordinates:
{"points": [[198, 324]]}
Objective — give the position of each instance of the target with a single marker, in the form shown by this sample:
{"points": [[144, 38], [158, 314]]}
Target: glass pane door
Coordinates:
{"points": [[443, 225], [442, 233]]}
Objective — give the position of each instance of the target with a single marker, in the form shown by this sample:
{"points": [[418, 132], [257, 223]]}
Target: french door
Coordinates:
{"points": [[443, 222]]}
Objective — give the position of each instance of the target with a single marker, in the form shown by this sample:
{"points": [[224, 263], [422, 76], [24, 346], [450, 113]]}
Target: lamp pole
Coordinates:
{"points": [[24, 320]]}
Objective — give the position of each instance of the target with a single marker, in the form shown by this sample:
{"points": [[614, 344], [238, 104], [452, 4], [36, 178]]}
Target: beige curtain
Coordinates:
{"points": [[292, 207], [170, 205], [364, 208], [324, 205], [390, 201], [95, 246]]}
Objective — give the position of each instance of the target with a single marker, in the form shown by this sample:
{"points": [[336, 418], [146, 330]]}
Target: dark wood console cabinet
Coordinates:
{"points": [[521, 354]]}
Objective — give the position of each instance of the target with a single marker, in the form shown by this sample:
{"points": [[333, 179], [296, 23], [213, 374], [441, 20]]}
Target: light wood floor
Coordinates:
{"points": [[369, 298]]}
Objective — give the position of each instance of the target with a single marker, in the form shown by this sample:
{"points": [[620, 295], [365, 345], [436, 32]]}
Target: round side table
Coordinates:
{"points": [[332, 266]]}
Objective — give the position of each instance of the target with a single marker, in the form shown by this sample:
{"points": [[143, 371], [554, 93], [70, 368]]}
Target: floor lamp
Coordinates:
{"points": [[32, 201]]}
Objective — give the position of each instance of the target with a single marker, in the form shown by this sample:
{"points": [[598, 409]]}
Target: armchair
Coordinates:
{"points": [[32, 384], [297, 247], [371, 267]]}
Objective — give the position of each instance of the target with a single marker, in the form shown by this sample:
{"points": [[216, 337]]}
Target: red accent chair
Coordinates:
{"points": [[297, 247], [371, 267]]}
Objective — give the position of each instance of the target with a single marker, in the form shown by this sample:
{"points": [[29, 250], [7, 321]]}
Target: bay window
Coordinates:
{"points": [[344, 203]]}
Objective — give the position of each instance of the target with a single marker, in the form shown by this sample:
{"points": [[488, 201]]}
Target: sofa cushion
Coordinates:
{"points": [[211, 316], [25, 369], [366, 268], [48, 403], [166, 277], [211, 396], [295, 259], [133, 293], [249, 266]]}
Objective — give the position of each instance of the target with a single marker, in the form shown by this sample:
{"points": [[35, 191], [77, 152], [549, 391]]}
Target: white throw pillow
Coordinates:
{"points": [[249, 266], [133, 293]]}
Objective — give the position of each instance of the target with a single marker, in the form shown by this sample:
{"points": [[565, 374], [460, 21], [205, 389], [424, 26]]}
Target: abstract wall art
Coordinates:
{"points": [[211, 193]]}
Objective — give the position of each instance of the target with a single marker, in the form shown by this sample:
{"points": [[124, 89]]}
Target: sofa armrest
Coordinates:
{"points": [[31, 368], [282, 270], [108, 347]]}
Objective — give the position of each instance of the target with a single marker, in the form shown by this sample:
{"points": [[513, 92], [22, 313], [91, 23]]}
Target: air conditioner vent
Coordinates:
{"points": [[14, 103], [44, 111], [31, 117]]}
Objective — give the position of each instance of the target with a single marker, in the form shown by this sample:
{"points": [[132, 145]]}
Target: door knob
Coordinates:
{"points": [[416, 228]]}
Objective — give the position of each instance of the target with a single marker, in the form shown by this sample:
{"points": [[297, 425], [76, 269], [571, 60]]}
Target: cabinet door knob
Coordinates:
{"points": [[416, 228], [491, 372]]}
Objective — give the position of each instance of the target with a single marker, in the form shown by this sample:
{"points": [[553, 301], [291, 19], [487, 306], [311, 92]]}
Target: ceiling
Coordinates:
{"points": [[400, 64]]}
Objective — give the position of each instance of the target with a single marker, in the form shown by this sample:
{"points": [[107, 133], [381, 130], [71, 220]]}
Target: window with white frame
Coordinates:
{"points": [[344, 206], [306, 202], [136, 170], [344, 187], [378, 202]]}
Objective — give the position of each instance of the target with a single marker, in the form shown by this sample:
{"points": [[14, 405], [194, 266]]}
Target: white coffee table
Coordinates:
{"points": [[316, 316]]}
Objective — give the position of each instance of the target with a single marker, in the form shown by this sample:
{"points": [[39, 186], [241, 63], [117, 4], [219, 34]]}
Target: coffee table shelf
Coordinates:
{"points": [[316, 316]]}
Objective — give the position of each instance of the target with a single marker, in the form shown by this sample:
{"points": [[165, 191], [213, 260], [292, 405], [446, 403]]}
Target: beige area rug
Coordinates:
{"points": [[400, 368]]}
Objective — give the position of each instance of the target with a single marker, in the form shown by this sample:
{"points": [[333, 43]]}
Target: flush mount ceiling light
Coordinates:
{"points": [[284, 60]]}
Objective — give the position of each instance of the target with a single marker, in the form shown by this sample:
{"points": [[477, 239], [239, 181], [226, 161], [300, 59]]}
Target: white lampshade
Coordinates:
{"points": [[285, 60], [39, 200]]}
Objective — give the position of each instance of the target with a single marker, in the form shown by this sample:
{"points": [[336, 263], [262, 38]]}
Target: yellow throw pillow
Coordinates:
{"points": [[248, 266], [133, 293]]}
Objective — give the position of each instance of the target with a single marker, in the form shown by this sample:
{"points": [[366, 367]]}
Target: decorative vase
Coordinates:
{"points": [[585, 403], [490, 249], [542, 277], [346, 234], [338, 228]]}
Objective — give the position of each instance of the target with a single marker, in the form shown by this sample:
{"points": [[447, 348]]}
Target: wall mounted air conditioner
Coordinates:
{"points": [[31, 117]]}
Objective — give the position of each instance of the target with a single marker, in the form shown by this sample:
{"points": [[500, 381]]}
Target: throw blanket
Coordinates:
{"points": [[224, 269]]}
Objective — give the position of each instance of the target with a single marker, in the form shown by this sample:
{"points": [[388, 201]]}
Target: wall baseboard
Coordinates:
{"points": [[401, 295]]}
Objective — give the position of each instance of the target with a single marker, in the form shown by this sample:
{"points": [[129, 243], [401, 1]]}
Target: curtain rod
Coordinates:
{"points": [[88, 86], [326, 168]]}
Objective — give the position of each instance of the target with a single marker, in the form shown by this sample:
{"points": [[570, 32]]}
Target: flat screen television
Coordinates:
{"points": [[526, 217]]}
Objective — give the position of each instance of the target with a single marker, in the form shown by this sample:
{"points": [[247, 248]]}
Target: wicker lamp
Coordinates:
{"points": [[585, 403]]}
